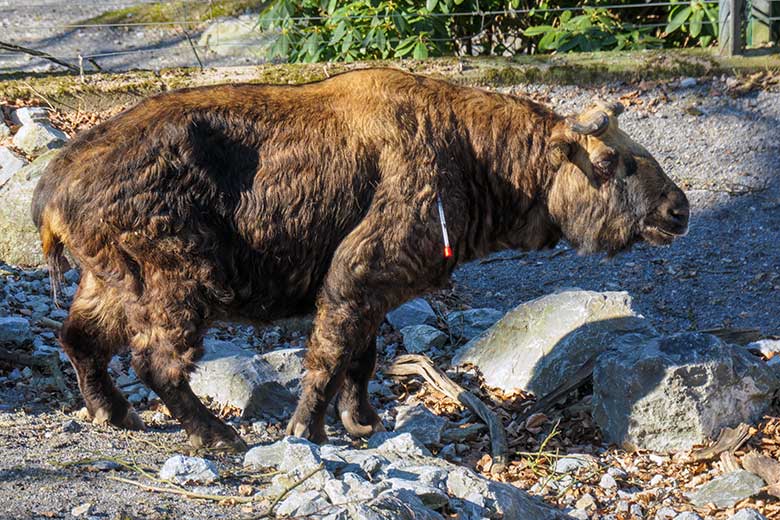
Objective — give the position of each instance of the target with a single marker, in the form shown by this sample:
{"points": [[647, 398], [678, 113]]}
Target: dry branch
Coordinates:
{"points": [[729, 440], [415, 364], [40, 54]]}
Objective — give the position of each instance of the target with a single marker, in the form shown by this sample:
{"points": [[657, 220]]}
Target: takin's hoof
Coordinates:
{"points": [[356, 429], [131, 420], [227, 442], [313, 434]]}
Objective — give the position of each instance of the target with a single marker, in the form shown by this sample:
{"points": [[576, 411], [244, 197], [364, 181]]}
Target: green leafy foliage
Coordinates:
{"points": [[697, 19], [595, 29], [349, 30]]}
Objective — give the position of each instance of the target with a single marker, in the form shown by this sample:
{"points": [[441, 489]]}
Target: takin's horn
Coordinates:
{"points": [[595, 124], [615, 107]]}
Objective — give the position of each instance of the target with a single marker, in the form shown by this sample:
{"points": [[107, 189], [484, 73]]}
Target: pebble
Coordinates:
{"points": [[586, 501], [71, 426], [607, 482], [688, 83], [182, 469], [687, 515], [665, 513], [656, 480], [617, 473], [82, 510], [747, 514], [572, 463]]}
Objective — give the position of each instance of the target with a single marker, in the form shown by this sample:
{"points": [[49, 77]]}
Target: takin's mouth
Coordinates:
{"points": [[659, 236]]}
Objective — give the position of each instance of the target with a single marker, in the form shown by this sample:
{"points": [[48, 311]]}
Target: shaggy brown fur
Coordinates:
{"points": [[249, 202]]}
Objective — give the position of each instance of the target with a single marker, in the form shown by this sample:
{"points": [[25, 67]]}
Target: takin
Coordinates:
{"points": [[253, 203]]}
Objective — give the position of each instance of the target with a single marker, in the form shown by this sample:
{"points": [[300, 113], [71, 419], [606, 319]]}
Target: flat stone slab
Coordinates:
{"points": [[541, 343]]}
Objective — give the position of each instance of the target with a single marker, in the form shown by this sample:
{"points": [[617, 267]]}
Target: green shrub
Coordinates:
{"points": [[349, 30]]}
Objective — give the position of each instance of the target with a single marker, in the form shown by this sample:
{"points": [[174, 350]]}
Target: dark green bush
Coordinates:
{"points": [[339, 30]]}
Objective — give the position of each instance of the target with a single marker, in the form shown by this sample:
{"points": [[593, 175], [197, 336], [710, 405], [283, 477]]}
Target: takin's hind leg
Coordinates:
{"points": [[357, 415], [167, 340], [93, 331]]}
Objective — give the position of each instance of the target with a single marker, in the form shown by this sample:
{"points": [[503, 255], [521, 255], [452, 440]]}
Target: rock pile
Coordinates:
{"points": [[36, 137], [395, 478]]}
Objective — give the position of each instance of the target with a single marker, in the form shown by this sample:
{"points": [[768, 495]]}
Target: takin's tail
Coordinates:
{"points": [[51, 237]]}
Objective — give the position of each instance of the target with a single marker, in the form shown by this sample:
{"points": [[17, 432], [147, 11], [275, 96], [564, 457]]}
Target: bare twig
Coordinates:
{"points": [[415, 364], [50, 323], [184, 492], [729, 440], [40, 54]]}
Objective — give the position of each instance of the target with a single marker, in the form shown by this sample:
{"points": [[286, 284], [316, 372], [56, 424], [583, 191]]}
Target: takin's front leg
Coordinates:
{"points": [[390, 257]]}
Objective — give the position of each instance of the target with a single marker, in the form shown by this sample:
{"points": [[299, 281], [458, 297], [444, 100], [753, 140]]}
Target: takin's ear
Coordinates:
{"points": [[561, 147], [598, 163]]}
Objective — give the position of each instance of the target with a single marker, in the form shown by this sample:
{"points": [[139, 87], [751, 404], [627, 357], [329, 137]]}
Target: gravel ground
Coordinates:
{"points": [[42, 25], [726, 272]]}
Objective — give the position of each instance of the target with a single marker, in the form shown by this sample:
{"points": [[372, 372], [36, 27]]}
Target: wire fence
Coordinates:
{"points": [[181, 42]]}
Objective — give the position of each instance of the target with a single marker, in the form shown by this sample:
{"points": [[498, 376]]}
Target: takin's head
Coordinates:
{"points": [[608, 192]]}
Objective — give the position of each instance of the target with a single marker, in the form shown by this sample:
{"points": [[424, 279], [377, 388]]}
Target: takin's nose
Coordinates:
{"points": [[675, 211]]}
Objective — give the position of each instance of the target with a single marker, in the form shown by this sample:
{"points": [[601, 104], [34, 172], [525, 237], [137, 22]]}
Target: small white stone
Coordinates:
{"points": [[83, 509], [747, 514], [607, 482], [665, 513], [586, 501], [182, 469], [687, 515], [688, 82], [656, 480]]}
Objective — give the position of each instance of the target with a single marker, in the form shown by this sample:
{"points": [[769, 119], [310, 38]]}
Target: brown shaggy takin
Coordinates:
{"points": [[253, 203]]}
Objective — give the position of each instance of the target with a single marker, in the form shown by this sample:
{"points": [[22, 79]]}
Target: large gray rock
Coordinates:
{"points": [[667, 394], [496, 499], [241, 36], [471, 323], [288, 364], [415, 312], [288, 454], [303, 504], [20, 243], [395, 504], [10, 163], [421, 338], [37, 138], [539, 344], [231, 375], [423, 424], [726, 490], [30, 115], [15, 330], [189, 470]]}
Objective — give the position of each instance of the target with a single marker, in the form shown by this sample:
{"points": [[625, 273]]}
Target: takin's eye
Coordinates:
{"points": [[605, 164]]}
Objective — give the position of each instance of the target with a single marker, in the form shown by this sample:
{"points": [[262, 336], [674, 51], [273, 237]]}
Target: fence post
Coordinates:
{"points": [[730, 22]]}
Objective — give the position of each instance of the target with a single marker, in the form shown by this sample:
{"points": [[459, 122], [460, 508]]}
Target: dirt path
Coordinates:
{"points": [[44, 25]]}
